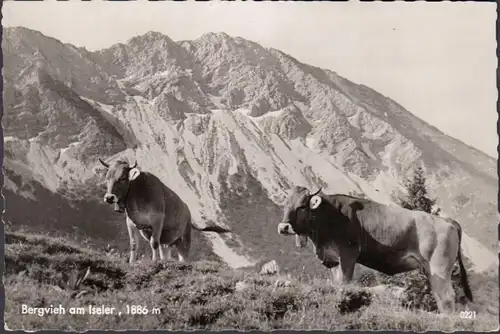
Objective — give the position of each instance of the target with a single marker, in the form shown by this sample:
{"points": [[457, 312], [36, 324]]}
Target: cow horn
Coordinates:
{"points": [[103, 163], [135, 165], [317, 192]]}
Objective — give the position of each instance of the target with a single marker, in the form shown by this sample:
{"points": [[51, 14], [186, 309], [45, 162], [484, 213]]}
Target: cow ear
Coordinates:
{"points": [[133, 174], [314, 202]]}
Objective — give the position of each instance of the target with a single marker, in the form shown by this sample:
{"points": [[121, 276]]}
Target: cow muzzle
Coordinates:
{"points": [[285, 228], [110, 198]]}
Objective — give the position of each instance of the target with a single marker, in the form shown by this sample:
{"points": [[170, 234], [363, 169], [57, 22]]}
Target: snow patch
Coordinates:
{"points": [[141, 100], [276, 113], [195, 115], [368, 151], [233, 167], [120, 84], [378, 133], [227, 254], [105, 107], [310, 142], [355, 120], [162, 74], [216, 100], [70, 146]]}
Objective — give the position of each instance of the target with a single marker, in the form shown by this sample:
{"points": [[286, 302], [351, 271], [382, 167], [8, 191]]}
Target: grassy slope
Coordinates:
{"points": [[200, 295]]}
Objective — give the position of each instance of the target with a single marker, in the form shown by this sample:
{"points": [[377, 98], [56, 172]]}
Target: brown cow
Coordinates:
{"points": [[153, 210], [346, 230]]}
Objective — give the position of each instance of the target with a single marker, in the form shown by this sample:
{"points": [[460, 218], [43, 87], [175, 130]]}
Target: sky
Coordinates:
{"points": [[438, 60]]}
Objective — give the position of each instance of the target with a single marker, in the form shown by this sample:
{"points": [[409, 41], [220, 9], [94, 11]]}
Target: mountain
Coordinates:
{"points": [[227, 124]]}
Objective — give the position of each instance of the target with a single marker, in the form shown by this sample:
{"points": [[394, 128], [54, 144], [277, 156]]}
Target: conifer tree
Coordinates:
{"points": [[417, 197]]}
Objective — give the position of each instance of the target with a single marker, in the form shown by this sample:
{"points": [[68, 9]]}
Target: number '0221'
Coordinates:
{"points": [[468, 314]]}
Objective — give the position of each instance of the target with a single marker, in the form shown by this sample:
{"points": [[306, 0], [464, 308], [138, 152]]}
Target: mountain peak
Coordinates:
{"points": [[21, 30], [150, 37], [19, 34], [215, 36], [225, 39]]}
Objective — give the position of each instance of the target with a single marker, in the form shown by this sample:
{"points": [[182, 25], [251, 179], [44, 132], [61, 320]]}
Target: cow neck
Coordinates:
{"points": [[314, 235], [126, 194], [309, 210]]}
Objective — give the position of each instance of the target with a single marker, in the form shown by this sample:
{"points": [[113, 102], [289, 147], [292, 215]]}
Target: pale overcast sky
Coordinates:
{"points": [[436, 59]]}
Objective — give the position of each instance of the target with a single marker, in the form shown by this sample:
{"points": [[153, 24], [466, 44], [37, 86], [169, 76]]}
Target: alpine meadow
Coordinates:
{"points": [[230, 126]]}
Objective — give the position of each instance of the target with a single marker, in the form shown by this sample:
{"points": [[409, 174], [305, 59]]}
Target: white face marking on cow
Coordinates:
{"points": [[315, 202], [133, 174]]}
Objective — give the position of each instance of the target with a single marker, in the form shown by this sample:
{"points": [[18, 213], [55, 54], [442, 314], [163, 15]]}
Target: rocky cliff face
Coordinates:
{"points": [[228, 125]]}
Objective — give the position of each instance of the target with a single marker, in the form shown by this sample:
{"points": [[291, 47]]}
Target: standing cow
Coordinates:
{"points": [[389, 239], [153, 210]]}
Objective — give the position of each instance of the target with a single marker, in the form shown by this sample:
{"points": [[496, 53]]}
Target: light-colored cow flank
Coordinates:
{"points": [[153, 211], [346, 230]]}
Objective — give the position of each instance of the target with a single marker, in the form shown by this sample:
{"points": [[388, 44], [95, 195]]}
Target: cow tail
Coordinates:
{"points": [[463, 273], [212, 228]]}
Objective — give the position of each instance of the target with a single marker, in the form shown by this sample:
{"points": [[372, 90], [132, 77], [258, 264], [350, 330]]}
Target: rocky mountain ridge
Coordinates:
{"points": [[230, 126]]}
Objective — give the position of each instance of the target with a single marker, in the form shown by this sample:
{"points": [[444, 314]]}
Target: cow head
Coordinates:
{"points": [[297, 214], [118, 178]]}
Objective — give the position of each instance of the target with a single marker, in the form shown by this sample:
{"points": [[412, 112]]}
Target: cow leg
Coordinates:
{"points": [[442, 289], [443, 292], [183, 244], [154, 242], [160, 252], [167, 251], [154, 247], [345, 270], [336, 275], [441, 267], [182, 254], [133, 234]]}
